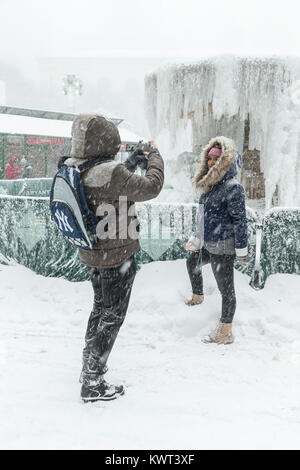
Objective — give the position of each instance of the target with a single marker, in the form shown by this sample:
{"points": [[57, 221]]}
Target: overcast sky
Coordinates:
{"points": [[147, 27], [34, 33]]}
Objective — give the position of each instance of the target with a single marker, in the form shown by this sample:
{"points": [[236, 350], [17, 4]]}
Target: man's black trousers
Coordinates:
{"points": [[112, 289]]}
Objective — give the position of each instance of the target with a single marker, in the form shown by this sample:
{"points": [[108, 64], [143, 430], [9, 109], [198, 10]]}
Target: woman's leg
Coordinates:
{"points": [[116, 285], [194, 264], [194, 269], [222, 266]]}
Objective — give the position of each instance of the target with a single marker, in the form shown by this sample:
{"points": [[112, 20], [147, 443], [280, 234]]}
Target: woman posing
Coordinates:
{"points": [[221, 232]]}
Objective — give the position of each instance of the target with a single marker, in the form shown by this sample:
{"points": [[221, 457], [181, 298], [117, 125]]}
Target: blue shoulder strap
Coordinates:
{"points": [[86, 165], [90, 163]]}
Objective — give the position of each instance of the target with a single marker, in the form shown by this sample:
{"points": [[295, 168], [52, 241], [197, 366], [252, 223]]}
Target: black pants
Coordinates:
{"points": [[222, 267], [112, 289]]}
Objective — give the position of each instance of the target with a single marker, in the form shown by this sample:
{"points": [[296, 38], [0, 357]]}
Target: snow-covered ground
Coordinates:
{"points": [[180, 392]]}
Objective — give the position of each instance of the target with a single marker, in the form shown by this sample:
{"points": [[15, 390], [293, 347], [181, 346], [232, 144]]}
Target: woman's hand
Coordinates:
{"points": [[190, 246]]}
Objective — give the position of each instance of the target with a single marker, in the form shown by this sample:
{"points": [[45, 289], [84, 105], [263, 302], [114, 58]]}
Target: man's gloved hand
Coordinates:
{"points": [[143, 162], [137, 158], [136, 152], [154, 150]]}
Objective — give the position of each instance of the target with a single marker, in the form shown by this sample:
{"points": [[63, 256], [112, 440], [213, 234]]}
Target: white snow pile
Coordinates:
{"points": [[188, 103], [180, 392]]}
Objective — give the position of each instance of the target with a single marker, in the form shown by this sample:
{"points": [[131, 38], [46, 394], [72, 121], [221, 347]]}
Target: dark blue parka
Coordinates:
{"points": [[223, 197]]}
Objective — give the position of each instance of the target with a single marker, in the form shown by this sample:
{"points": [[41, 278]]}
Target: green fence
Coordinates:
{"points": [[38, 187], [281, 241], [29, 237]]}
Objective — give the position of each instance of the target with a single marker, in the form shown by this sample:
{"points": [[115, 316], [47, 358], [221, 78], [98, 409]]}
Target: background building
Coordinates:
{"points": [[42, 137]]}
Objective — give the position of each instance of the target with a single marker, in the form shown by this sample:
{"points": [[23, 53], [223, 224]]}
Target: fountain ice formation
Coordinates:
{"points": [[188, 103]]}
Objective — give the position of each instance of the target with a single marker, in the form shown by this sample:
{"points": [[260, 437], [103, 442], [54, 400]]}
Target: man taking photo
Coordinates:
{"points": [[109, 188]]}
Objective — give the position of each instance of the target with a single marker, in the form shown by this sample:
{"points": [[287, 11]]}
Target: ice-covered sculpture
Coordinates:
{"points": [[253, 100]]}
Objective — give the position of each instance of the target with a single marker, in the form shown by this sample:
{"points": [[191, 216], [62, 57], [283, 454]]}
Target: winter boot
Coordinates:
{"points": [[221, 335], [195, 300], [84, 370], [101, 392], [85, 358]]}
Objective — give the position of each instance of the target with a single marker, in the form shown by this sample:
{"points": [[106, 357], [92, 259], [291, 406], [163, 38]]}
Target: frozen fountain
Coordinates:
{"points": [[253, 100]]}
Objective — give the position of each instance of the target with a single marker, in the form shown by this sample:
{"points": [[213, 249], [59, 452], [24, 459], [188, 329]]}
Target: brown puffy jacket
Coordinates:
{"points": [[104, 185]]}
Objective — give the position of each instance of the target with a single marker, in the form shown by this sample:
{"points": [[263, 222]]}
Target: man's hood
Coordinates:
{"points": [[94, 136], [227, 166], [12, 159]]}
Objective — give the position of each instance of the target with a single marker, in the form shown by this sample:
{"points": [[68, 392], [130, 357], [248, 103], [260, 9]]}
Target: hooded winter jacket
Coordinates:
{"points": [[12, 172], [223, 199], [111, 186]]}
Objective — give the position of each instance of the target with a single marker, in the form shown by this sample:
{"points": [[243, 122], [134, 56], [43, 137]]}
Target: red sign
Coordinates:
{"points": [[123, 147], [44, 141]]}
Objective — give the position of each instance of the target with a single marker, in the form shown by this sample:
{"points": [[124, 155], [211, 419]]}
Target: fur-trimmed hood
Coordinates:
{"points": [[229, 164]]}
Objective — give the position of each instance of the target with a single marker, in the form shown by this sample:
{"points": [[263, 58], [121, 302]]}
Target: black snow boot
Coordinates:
{"points": [[85, 359], [85, 372], [102, 392]]}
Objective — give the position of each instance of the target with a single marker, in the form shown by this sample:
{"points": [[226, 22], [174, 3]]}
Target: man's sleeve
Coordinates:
{"points": [[136, 187]]}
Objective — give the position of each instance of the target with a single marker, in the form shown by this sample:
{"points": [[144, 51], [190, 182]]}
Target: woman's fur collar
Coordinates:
{"points": [[204, 179]]}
